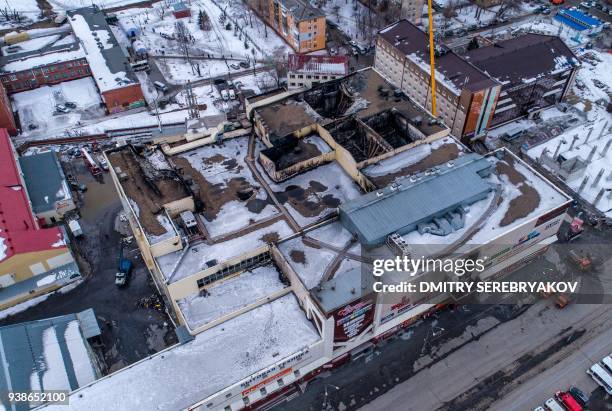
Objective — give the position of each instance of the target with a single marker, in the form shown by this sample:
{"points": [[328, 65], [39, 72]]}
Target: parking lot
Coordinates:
{"points": [[129, 333]]}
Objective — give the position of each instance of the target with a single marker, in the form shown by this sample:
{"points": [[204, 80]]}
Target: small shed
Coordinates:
{"points": [[180, 10]]}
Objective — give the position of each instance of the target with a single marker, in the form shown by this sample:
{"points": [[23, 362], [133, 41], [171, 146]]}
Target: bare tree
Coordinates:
{"points": [[184, 38], [278, 65]]}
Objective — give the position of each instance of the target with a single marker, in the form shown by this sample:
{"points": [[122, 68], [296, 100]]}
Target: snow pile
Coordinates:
{"points": [[79, 356], [230, 295]]}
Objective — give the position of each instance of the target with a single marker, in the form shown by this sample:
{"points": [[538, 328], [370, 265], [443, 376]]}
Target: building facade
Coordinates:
{"points": [[48, 74], [310, 70], [536, 71], [33, 260], [7, 120], [300, 24], [412, 10], [465, 96]]}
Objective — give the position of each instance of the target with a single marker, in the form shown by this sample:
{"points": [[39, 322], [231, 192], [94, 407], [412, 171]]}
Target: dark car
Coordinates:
{"points": [[579, 396], [70, 104]]}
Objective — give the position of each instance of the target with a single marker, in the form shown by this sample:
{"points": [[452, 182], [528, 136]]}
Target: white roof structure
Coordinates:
{"points": [[106, 60], [183, 375]]}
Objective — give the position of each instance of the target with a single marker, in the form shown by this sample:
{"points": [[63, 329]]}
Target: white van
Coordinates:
{"points": [[160, 86], [601, 377], [232, 94], [607, 363], [552, 405], [224, 94]]}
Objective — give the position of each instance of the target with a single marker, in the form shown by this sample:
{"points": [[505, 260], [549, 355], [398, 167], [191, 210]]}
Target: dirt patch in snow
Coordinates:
{"points": [[298, 256], [149, 201], [307, 201], [440, 155], [214, 196], [526, 202]]}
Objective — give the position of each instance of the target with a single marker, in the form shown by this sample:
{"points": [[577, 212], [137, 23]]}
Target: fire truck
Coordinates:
{"points": [[91, 164]]}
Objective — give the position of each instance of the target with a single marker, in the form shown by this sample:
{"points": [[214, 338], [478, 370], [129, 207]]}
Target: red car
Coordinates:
{"points": [[568, 401]]}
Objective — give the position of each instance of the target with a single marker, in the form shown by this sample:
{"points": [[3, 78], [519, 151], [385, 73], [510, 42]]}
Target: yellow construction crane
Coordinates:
{"points": [[432, 73]]}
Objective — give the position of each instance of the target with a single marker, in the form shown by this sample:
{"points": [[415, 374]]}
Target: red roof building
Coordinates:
{"points": [[305, 70], [27, 252]]}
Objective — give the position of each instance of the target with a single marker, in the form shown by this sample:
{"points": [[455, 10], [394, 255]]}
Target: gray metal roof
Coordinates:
{"points": [[114, 56], [401, 206], [64, 274], [29, 350], [44, 180], [343, 289]]}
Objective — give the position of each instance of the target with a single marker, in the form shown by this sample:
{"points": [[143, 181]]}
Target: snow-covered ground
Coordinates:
{"points": [[36, 107], [158, 32], [346, 14], [231, 295], [216, 358], [599, 120], [28, 10], [75, 4]]}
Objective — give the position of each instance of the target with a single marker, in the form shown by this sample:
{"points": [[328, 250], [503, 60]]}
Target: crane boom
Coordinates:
{"points": [[432, 68]]}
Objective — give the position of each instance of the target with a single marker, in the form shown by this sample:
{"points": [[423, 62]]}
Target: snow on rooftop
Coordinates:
{"points": [[406, 158], [440, 77], [334, 234], [43, 60], [324, 189], [599, 138], [230, 295], [309, 262], [183, 375], [90, 39], [195, 258]]}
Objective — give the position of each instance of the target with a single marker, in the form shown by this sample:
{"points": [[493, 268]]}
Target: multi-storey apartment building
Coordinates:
{"points": [[412, 10], [465, 95], [300, 24]]}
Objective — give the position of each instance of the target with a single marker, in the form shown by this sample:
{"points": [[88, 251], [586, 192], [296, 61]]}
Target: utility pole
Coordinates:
{"points": [[192, 102]]}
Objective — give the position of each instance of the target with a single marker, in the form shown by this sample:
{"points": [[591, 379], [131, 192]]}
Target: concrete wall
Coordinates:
{"points": [[346, 160], [280, 175]]}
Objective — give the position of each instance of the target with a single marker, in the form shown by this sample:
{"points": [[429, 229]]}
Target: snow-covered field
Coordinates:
{"points": [[75, 4], [230, 295], [28, 10], [158, 32], [36, 107]]}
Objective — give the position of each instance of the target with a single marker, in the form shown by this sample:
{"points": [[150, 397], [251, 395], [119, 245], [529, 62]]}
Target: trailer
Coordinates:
{"points": [[90, 163]]}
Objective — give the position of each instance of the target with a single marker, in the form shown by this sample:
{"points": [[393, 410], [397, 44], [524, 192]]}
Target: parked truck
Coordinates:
{"points": [[123, 270]]}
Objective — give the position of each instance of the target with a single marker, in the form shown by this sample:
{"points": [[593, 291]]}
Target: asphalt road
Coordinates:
{"points": [[471, 357], [128, 333]]}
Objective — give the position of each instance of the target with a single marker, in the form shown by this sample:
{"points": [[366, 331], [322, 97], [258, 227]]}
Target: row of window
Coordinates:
{"points": [[57, 76], [262, 391], [311, 76]]}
